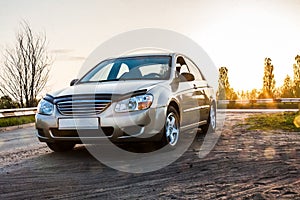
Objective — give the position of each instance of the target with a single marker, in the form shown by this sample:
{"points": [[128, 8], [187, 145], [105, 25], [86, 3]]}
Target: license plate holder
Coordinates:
{"points": [[78, 123]]}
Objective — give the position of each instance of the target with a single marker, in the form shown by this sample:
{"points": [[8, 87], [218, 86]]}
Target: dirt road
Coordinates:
{"points": [[243, 165]]}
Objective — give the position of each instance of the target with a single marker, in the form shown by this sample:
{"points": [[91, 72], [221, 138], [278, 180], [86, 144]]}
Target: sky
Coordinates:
{"points": [[236, 34]]}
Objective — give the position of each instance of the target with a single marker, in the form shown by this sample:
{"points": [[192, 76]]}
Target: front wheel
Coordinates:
{"points": [[61, 146], [171, 128]]}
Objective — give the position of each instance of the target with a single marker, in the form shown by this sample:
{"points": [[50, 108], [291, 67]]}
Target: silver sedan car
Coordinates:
{"points": [[150, 97]]}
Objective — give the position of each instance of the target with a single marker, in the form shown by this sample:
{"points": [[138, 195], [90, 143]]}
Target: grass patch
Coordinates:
{"points": [[273, 121], [13, 121]]}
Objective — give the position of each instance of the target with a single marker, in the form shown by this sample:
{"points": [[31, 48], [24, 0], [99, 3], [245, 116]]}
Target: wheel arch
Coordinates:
{"points": [[213, 102], [175, 105]]}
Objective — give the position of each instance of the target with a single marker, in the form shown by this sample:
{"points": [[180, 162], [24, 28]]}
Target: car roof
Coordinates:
{"points": [[143, 55]]}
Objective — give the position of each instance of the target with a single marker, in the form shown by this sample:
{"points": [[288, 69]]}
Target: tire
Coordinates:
{"points": [[171, 129], [61, 146], [210, 127]]}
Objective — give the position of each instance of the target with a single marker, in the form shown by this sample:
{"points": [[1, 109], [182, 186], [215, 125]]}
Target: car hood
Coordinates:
{"points": [[113, 87]]}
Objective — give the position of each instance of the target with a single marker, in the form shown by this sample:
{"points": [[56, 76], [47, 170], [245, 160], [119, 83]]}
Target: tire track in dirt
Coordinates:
{"points": [[243, 165]]}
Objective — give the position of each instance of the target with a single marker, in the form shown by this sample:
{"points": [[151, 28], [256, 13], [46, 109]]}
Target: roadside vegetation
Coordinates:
{"points": [[289, 89], [273, 121], [13, 121], [233, 105]]}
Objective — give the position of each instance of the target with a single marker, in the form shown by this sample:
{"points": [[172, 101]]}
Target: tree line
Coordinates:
{"points": [[289, 89], [24, 68]]}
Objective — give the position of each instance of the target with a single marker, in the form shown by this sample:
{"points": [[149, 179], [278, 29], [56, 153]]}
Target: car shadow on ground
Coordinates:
{"points": [[81, 154]]}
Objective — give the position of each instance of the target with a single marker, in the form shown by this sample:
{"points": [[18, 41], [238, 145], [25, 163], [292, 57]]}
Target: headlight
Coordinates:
{"points": [[141, 102], [45, 107]]}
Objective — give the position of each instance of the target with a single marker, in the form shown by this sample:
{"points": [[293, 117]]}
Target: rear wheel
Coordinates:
{"points": [[171, 128], [61, 146], [211, 125]]}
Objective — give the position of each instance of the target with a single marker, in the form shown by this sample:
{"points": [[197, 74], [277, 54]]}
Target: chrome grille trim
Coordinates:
{"points": [[82, 106]]}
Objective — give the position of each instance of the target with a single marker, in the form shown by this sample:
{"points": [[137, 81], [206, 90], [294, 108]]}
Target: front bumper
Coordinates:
{"points": [[144, 125]]}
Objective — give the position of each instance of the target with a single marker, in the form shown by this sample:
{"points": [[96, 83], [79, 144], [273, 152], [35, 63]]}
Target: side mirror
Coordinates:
{"points": [[186, 77], [73, 82]]}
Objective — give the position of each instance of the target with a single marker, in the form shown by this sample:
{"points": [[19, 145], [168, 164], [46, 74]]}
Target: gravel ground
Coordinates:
{"points": [[243, 165]]}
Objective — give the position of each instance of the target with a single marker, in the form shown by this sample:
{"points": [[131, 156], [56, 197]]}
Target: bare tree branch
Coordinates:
{"points": [[25, 67]]}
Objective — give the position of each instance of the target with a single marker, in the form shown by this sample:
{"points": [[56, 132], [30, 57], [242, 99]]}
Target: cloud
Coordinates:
{"points": [[65, 55], [61, 51], [75, 58]]}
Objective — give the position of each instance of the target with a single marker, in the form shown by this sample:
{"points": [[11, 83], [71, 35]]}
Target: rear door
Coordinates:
{"points": [[200, 94], [185, 93]]}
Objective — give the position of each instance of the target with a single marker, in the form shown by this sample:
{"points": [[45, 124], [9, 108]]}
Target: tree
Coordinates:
{"points": [[224, 89], [268, 80], [253, 94], [287, 88], [296, 84], [25, 69], [6, 102], [243, 95]]}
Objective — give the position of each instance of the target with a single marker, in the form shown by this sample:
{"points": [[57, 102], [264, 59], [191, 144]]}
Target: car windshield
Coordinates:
{"points": [[130, 68]]}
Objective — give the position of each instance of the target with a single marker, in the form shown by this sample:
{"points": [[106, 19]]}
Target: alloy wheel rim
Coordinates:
{"points": [[212, 117], [172, 131]]}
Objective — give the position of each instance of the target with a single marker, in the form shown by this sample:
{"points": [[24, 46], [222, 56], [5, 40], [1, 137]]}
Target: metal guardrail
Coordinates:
{"points": [[281, 100], [17, 112], [290, 100]]}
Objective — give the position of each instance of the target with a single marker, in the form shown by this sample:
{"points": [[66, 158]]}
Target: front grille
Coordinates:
{"points": [[82, 106]]}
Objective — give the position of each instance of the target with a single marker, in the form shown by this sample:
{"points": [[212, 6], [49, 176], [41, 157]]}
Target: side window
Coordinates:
{"points": [[184, 69], [181, 66], [194, 70]]}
